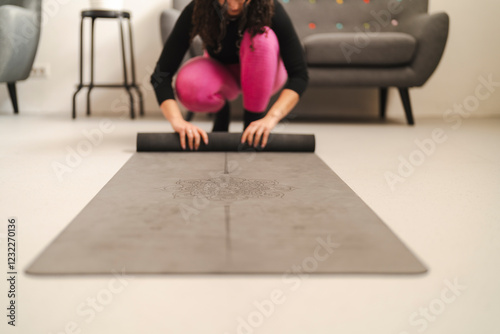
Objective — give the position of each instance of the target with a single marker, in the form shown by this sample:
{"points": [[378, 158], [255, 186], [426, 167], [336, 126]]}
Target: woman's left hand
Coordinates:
{"points": [[259, 130]]}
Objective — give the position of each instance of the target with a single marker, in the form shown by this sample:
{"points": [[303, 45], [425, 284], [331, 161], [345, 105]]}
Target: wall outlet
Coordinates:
{"points": [[40, 71]]}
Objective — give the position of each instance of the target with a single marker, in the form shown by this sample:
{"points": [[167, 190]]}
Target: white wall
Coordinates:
{"points": [[472, 51]]}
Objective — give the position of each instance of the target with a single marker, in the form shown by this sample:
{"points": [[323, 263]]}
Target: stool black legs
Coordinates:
{"points": [[132, 63], [125, 78], [91, 85], [80, 85]]}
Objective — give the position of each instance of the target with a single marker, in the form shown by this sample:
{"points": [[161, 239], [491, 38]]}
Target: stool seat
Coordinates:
{"points": [[110, 14]]}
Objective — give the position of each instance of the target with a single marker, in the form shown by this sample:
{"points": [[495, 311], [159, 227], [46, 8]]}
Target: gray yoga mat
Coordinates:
{"points": [[226, 212]]}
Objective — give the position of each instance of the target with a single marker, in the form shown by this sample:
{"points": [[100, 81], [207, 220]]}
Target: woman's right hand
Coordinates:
{"points": [[190, 133], [186, 130]]}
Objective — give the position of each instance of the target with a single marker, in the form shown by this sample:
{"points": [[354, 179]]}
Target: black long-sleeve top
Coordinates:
{"points": [[179, 41]]}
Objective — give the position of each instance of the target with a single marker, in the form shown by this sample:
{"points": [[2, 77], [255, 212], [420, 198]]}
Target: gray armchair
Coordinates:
{"points": [[363, 43], [19, 36]]}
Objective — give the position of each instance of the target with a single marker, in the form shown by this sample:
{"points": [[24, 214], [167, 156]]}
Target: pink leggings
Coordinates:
{"points": [[203, 84]]}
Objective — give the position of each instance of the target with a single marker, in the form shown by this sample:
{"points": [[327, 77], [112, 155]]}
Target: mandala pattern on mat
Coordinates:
{"points": [[228, 189]]}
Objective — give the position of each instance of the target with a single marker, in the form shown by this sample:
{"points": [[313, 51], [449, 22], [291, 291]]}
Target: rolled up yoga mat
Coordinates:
{"points": [[225, 142], [226, 210]]}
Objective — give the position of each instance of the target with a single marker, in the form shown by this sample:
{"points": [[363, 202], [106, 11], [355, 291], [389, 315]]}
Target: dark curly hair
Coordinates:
{"points": [[210, 19]]}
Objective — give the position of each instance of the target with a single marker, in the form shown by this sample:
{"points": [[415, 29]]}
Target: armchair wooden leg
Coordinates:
{"points": [[13, 96], [383, 101], [405, 97]]}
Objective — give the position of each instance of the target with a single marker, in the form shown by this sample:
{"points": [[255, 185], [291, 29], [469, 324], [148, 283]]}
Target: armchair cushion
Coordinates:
{"points": [[359, 49]]}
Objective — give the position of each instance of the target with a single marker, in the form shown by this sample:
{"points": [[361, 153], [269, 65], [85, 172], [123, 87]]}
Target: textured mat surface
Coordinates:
{"points": [[226, 212]]}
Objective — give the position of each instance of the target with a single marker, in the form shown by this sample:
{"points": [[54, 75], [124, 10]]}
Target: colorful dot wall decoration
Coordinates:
{"points": [[339, 25]]}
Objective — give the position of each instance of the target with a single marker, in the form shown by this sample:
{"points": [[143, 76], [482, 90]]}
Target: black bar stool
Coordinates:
{"points": [[108, 14]]}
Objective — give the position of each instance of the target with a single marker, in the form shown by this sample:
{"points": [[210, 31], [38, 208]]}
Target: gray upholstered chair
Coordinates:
{"points": [[370, 43], [19, 36], [167, 21], [361, 43]]}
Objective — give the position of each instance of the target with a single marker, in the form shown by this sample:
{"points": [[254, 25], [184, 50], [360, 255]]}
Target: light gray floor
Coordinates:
{"points": [[445, 208]]}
